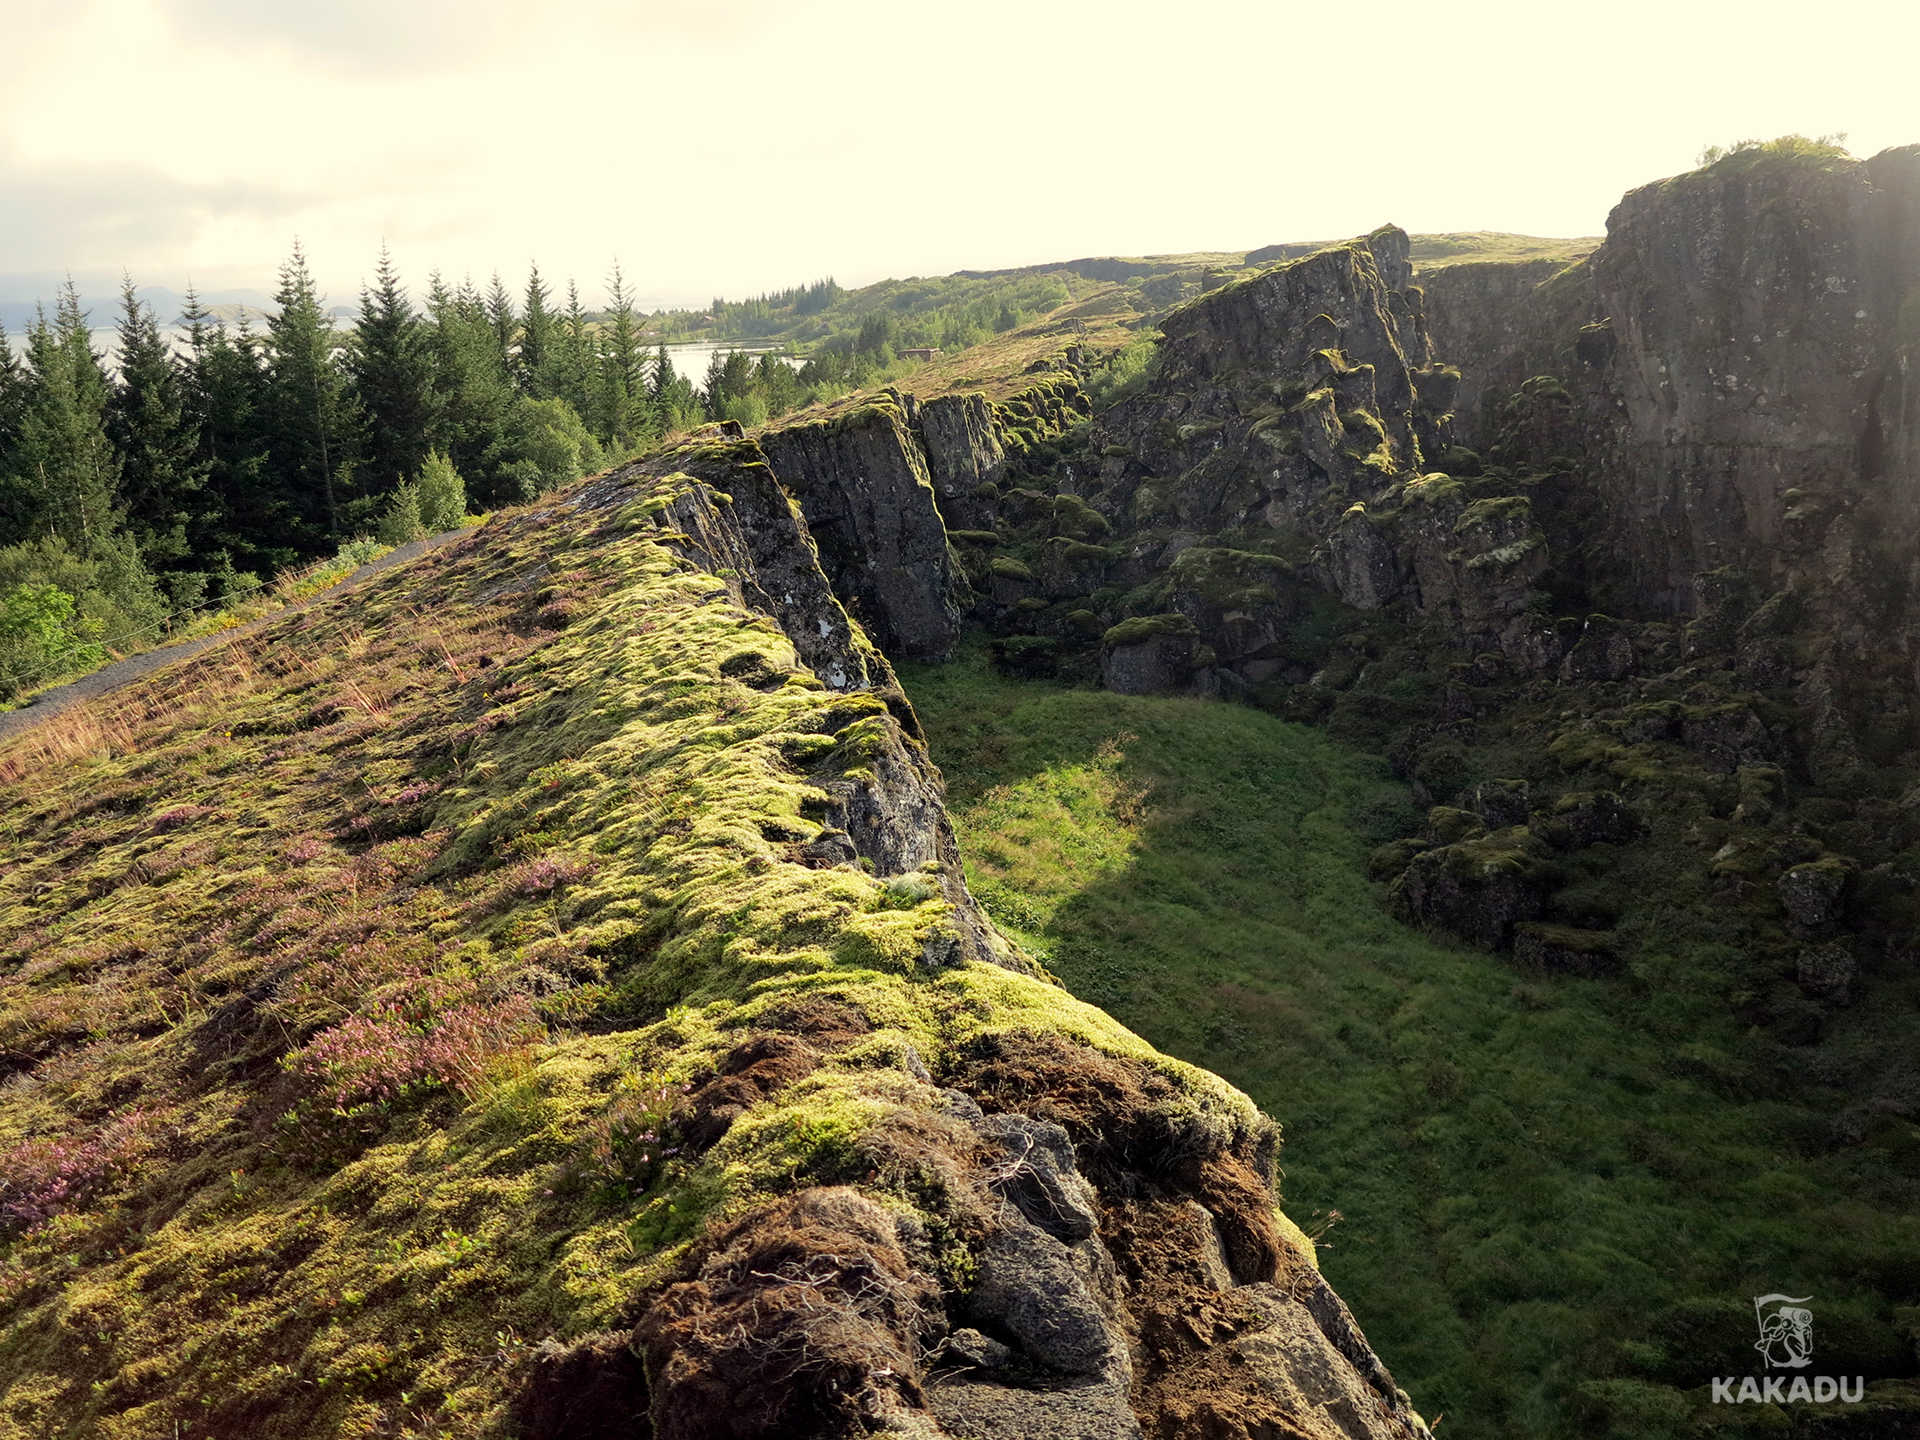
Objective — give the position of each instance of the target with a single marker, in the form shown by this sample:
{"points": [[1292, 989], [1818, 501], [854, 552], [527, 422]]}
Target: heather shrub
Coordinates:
{"points": [[41, 1177], [395, 1050], [632, 1141]]}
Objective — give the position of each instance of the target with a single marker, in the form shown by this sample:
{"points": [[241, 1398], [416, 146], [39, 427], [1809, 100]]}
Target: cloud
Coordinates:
{"points": [[110, 217], [426, 36]]}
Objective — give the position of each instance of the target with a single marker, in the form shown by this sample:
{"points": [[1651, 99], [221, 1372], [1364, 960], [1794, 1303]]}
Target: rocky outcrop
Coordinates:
{"points": [[863, 485], [1002, 1297], [1736, 369], [1275, 396], [964, 453]]}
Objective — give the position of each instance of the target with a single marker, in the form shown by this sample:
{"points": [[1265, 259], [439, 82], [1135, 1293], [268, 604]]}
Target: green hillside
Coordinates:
{"points": [[1552, 1204]]}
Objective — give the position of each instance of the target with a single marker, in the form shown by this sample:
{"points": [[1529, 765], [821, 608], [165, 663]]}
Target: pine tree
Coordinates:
{"points": [[12, 389], [477, 398], [310, 417], [13, 395], [248, 520], [162, 478], [442, 494], [714, 386], [505, 324], [391, 366], [660, 391], [535, 363], [573, 358], [64, 475], [622, 412]]}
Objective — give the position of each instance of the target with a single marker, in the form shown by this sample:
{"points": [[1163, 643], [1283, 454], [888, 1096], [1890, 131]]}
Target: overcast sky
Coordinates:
{"points": [[740, 145]]}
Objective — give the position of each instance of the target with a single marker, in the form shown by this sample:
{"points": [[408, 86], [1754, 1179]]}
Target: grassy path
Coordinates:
{"points": [[108, 678]]}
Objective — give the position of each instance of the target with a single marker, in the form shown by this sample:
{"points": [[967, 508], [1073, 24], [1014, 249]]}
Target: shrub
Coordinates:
{"points": [[1822, 150], [42, 636], [114, 605], [442, 494], [635, 1137], [550, 445], [386, 1054], [41, 1177], [400, 522], [1124, 374]]}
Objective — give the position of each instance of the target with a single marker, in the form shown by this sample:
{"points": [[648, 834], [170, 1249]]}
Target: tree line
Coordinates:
{"points": [[191, 472], [188, 473]]}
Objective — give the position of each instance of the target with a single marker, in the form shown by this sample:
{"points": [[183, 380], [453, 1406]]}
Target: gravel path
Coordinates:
{"points": [[109, 678]]}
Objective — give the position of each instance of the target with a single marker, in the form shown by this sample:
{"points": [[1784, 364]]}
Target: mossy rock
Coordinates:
{"points": [[1142, 628], [1448, 826], [1565, 949]]}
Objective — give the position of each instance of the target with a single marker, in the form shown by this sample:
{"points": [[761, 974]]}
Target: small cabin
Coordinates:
{"points": [[920, 352]]}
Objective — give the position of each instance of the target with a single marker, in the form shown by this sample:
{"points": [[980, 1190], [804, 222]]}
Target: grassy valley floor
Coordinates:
{"points": [[1551, 1213]]}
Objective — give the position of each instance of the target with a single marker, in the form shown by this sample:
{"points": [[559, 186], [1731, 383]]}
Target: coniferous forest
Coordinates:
{"points": [[215, 454]]}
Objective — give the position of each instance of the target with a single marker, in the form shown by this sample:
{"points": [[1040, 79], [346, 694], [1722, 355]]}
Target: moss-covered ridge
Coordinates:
{"points": [[404, 1005]]}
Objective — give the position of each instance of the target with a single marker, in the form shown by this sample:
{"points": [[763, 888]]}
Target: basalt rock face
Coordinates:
{"points": [[1665, 594], [1480, 316], [1753, 402], [1282, 455], [964, 453], [862, 480], [1736, 361], [1271, 393]]}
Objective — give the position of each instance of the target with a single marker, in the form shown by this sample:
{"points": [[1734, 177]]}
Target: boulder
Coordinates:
{"points": [[1149, 655], [1479, 889], [1826, 972], [1565, 949], [1811, 892]]}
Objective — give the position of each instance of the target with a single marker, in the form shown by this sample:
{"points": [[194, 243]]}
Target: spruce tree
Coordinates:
{"points": [[250, 521], [162, 478], [535, 362], [12, 386], [391, 366], [504, 323], [573, 362], [660, 391], [64, 475], [310, 419], [477, 397], [623, 414]]}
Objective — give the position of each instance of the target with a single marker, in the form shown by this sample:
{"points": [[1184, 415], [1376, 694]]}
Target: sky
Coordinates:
{"points": [[736, 146]]}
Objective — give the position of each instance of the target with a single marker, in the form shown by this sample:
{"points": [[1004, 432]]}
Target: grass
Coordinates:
{"points": [[1554, 1194]]}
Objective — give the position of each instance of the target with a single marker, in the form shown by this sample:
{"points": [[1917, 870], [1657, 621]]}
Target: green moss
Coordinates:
{"points": [[1008, 568], [1433, 488], [1230, 579], [1143, 628], [1509, 509], [1073, 517], [1365, 425]]}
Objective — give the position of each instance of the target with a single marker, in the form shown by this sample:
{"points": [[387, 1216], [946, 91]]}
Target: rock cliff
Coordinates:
{"points": [[861, 477]]}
